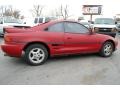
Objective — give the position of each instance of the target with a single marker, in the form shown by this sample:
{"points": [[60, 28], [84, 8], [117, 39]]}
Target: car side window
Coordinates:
{"points": [[40, 20], [47, 19], [36, 20], [58, 27], [72, 27]]}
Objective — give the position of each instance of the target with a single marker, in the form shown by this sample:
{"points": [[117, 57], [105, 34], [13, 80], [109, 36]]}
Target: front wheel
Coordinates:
{"points": [[36, 54], [113, 36], [107, 49]]}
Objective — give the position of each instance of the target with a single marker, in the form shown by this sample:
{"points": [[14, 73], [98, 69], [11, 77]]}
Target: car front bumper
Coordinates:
{"points": [[108, 33]]}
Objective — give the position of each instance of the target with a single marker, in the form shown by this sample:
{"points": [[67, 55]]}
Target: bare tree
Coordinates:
{"points": [[37, 10], [16, 14], [62, 12], [9, 11], [1, 11]]}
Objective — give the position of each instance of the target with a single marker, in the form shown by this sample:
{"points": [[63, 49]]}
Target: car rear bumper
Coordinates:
{"points": [[13, 50]]}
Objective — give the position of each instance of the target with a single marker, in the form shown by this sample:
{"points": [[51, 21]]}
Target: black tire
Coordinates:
{"points": [[29, 51], [113, 36], [102, 51]]}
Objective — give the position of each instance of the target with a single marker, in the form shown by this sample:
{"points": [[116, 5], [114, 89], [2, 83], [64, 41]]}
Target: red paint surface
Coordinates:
{"points": [[58, 42]]}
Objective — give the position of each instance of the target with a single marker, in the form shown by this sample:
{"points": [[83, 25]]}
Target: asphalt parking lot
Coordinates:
{"points": [[76, 69]]}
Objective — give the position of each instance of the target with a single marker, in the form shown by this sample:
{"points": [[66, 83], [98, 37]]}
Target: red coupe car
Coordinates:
{"points": [[58, 37]]}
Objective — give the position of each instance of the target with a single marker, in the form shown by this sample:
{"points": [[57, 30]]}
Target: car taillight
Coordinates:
{"points": [[7, 38]]}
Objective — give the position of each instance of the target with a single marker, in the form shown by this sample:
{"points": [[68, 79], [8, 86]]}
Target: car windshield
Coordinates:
{"points": [[38, 20], [108, 21]]}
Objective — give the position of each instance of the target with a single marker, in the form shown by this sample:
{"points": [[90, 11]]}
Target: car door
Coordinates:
{"points": [[78, 39], [55, 37]]}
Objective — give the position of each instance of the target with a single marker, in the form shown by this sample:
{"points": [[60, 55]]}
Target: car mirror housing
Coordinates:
{"points": [[91, 31]]}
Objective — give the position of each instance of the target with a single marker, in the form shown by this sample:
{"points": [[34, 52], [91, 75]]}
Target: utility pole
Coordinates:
{"points": [[91, 17]]}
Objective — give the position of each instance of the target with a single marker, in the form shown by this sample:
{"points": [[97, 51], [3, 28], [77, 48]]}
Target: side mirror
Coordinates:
{"points": [[91, 31]]}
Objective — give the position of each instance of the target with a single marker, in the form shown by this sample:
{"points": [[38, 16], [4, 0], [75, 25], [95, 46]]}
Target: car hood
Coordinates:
{"points": [[103, 37], [104, 26]]}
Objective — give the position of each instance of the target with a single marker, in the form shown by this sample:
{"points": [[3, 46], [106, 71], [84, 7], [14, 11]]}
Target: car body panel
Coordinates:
{"points": [[59, 43], [81, 42]]}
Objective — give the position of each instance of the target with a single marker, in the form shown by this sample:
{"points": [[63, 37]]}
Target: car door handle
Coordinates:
{"points": [[69, 38]]}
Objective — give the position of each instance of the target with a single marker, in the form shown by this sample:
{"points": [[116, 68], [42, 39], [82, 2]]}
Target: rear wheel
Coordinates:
{"points": [[107, 49], [36, 54]]}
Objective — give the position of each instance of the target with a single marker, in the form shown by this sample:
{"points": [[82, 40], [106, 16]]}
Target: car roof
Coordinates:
{"points": [[57, 21], [43, 25], [47, 24]]}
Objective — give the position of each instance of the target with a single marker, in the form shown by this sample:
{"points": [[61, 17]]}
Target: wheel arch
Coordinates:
{"points": [[37, 42], [109, 40]]}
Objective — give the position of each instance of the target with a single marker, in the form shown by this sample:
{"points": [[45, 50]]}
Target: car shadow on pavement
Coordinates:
{"points": [[74, 56], [21, 61], [17, 61], [71, 57]]}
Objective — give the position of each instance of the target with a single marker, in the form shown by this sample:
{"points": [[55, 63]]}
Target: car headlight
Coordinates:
{"points": [[114, 30], [96, 29], [7, 38]]}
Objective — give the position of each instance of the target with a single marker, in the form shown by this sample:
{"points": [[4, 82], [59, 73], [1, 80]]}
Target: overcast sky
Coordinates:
{"points": [[110, 7]]}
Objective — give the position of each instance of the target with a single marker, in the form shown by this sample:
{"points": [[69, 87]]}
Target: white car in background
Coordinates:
{"points": [[118, 26], [105, 26], [39, 20], [10, 22]]}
